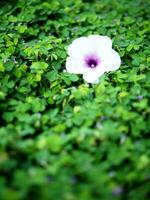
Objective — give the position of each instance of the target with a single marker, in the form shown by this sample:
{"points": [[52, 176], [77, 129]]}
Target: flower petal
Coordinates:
{"points": [[79, 48], [111, 61], [92, 75], [75, 66], [83, 46], [100, 41]]}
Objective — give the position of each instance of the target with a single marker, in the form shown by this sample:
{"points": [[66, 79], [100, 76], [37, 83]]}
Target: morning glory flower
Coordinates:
{"points": [[92, 56]]}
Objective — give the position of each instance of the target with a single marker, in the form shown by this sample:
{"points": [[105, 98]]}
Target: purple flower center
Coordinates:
{"points": [[92, 61]]}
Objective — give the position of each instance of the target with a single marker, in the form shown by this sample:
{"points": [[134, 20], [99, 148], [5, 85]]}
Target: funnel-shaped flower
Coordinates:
{"points": [[92, 56]]}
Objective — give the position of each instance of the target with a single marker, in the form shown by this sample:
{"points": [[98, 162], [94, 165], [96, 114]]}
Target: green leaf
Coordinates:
{"points": [[38, 67], [2, 68], [52, 75]]}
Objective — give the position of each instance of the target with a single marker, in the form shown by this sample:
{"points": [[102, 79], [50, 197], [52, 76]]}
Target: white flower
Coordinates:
{"points": [[92, 56]]}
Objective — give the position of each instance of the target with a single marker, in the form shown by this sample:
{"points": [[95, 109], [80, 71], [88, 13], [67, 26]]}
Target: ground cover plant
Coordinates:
{"points": [[60, 137]]}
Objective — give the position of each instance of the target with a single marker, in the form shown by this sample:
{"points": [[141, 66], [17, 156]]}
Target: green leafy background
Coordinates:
{"points": [[61, 138]]}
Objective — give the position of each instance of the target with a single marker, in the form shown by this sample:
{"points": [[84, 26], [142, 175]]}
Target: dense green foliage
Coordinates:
{"points": [[61, 138]]}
